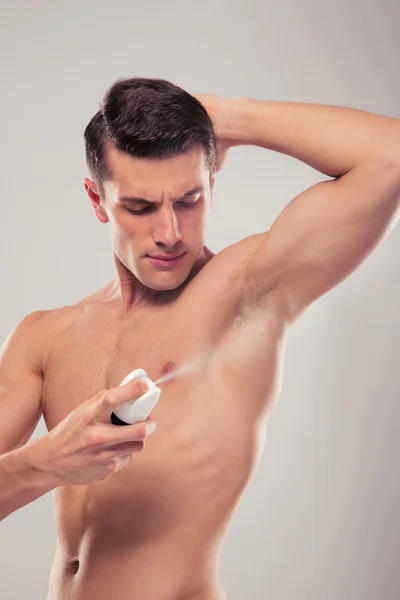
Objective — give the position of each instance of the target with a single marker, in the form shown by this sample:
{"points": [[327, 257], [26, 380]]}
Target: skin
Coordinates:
{"points": [[171, 224], [149, 318], [155, 528]]}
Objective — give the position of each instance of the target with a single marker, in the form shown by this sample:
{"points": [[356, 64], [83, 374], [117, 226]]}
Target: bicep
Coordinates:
{"points": [[321, 237], [20, 386]]}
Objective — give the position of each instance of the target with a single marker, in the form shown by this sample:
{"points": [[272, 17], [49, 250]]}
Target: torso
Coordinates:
{"points": [[154, 529]]}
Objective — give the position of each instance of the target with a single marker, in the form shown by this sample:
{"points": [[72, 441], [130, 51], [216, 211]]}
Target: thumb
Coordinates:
{"points": [[110, 399]]}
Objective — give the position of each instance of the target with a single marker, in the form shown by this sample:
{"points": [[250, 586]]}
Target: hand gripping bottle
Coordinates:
{"points": [[135, 411]]}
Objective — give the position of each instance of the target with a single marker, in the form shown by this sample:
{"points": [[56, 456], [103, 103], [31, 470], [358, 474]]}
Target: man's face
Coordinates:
{"points": [[156, 208]]}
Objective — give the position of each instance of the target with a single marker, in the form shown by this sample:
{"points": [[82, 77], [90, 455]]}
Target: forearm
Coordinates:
{"points": [[331, 139], [21, 482]]}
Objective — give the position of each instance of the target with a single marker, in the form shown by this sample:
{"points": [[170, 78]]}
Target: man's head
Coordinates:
{"points": [[151, 154]]}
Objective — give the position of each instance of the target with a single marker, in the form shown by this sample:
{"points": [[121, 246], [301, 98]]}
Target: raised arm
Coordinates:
{"points": [[327, 231]]}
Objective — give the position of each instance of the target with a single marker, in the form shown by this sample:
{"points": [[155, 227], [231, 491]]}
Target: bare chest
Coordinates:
{"points": [[97, 351], [207, 437]]}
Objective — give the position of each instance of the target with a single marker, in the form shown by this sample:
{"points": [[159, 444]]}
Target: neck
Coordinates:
{"points": [[132, 294]]}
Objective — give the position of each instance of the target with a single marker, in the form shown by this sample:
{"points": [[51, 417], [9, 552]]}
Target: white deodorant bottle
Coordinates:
{"points": [[135, 411]]}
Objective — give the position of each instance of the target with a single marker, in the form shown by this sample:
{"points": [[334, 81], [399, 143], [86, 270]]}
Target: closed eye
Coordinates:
{"points": [[146, 209], [187, 204], [150, 208]]}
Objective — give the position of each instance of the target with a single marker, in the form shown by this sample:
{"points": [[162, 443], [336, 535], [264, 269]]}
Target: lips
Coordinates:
{"points": [[166, 257], [165, 261]]}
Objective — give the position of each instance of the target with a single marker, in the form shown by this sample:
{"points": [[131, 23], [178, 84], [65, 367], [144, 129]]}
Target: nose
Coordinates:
{"points": [[167, 230]]}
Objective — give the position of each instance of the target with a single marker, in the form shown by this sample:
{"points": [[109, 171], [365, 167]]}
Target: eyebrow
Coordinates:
{"points": [[134, 200]]}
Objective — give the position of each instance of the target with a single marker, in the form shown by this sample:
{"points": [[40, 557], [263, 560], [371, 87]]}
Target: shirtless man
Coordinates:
{"points": [[154, 529]]}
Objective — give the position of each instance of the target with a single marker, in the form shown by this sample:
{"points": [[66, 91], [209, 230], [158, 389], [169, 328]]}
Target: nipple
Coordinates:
{"points": [[168, 367], [167, 373]]}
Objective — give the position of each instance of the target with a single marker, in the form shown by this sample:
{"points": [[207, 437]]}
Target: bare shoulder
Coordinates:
{"points": [[220, 283], [240, 252], [231, 262], [38, 330], [26, 328], [237, 259]]}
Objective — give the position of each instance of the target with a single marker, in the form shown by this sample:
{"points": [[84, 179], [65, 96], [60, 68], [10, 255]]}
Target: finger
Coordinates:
{"points": [[111, 399], [122, 461], [122, 449], [131, 433]]}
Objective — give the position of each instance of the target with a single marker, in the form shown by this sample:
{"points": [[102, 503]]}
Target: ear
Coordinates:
{"points": [[94, 198]]}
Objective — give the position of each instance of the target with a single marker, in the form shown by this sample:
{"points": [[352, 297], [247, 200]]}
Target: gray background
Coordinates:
{"points": [[319, 519]]}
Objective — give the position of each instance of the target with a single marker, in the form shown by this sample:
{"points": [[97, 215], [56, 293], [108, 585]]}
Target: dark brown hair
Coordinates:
{"points": [[147, 118]]}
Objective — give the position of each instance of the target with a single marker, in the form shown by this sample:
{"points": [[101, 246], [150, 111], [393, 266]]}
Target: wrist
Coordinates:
{"points": [[37, 465], [20, 481], [236, 117]]}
